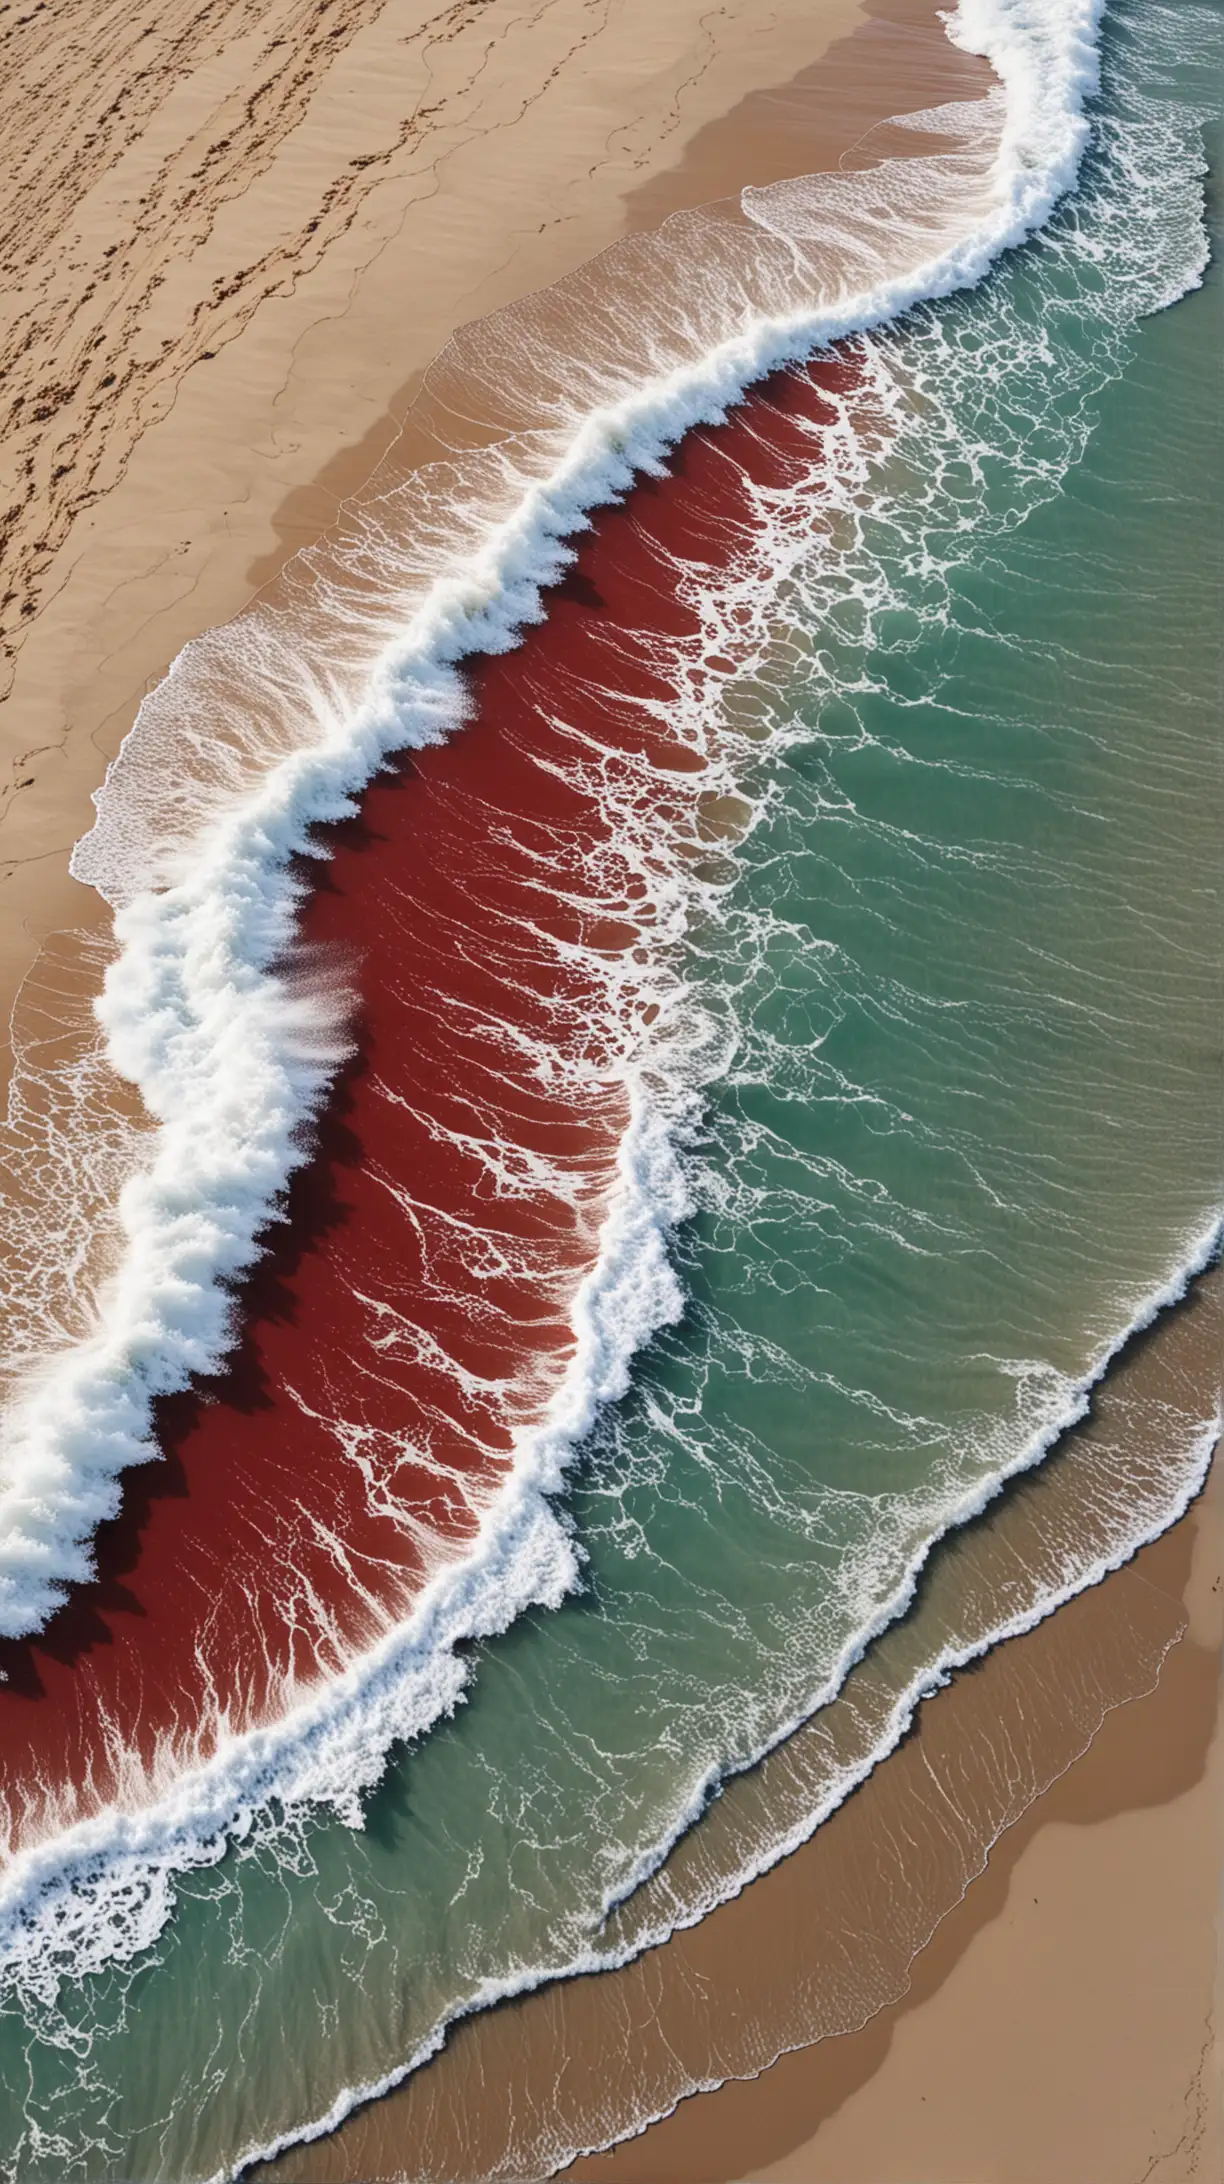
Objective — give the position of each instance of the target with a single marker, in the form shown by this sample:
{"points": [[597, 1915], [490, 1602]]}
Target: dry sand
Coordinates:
{"points": [[233, 260], [992, 2038], [1062, 2026], [234, 234]]}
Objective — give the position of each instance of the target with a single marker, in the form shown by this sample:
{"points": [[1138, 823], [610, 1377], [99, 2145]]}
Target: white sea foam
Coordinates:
{"points": [[70, 1901], [231, 1058], [1186, 1461], [228, 1055]]}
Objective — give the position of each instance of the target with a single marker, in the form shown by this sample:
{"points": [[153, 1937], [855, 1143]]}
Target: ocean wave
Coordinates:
{"points": [[232, 1057], [1186, 1457]]}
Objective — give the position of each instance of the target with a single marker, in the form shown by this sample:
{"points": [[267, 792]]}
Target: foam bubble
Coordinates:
{"points": [[231, 1057]]}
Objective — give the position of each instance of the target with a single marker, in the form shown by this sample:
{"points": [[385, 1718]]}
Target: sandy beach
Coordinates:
{"points": [[235, 295], [1062, 2023], [1058, 2024], [92, 646], [226, 308], [1096, 1930], [256, 229]]}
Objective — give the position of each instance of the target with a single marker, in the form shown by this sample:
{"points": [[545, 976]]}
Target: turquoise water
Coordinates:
{"points": [[962, 980]]}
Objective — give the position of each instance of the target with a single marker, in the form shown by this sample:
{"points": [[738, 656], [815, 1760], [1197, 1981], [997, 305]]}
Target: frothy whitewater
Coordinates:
{"points": [[232, 1056], [229, 1058]]}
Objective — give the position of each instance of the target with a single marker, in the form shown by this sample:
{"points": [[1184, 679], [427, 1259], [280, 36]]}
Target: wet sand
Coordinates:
{"points": [[1014, 1921], [202, 424], [1064, 2025], [1061, 2025], [87, 652], [411, 1315], [119, 1663], [256, 227]]}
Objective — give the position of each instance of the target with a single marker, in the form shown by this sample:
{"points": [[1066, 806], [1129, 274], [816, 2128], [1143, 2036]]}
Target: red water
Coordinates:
{"points": [[413, 1309]]}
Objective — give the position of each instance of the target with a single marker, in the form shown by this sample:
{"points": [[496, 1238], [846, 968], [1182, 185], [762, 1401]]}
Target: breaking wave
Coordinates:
{"points": [[229, 1055], [199, 843]]}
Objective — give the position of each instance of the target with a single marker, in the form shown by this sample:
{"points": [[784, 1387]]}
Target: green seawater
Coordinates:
{"points": [[963, 986]]}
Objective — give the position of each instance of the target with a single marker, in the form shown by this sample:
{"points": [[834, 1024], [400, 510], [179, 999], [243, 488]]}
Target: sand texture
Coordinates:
{"points": [[234, 467], [234, 236], [972, 2034]]}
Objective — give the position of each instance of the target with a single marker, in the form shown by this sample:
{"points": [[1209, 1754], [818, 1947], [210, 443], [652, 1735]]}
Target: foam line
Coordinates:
{"points": [[1191, 1474], [82, 1898], [231, 1058]]}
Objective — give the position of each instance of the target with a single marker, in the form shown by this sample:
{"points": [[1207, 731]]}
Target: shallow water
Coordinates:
{"points": [[948, 995]]}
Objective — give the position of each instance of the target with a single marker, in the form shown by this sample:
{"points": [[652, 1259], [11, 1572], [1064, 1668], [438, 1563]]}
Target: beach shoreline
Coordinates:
{"points": [[261, 431], [845, 121], [1098, 1928], [1104, 2059], [239, 471], [1132, 1814]]}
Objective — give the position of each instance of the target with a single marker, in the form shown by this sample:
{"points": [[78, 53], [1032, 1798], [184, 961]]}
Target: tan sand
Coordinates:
{"points": [[1073, 2036], [1063, 2025], [873, 1924], [246, 255], [156, 484], [234, 236], [254, 226]]}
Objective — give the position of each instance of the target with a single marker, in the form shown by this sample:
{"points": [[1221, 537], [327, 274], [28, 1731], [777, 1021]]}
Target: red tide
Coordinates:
{"points": [[413, 1309]]}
